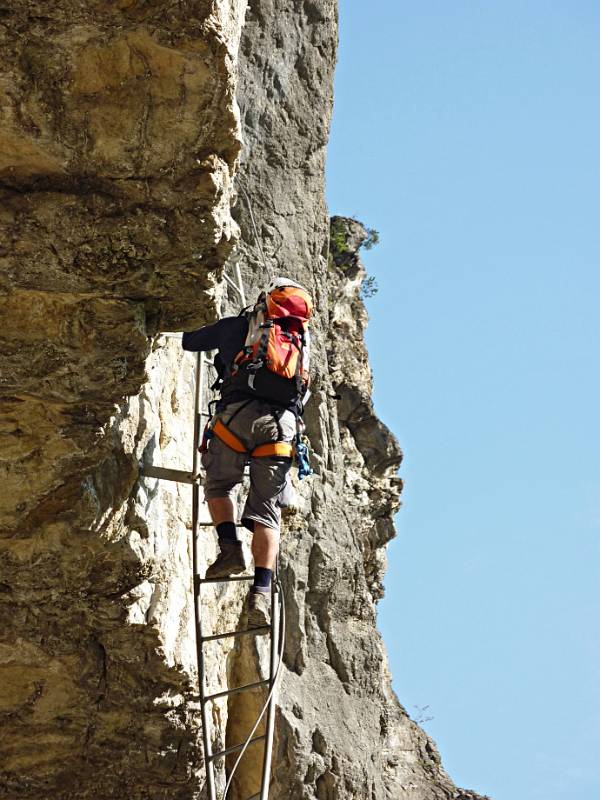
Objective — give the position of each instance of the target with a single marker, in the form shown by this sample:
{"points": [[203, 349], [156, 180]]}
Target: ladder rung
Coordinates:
{"points": [[229, 634], [226, 580], [208, 524], [237, 747], [165, 474], [237, 690]]}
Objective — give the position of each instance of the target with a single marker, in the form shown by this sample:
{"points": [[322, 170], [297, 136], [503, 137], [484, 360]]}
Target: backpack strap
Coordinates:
{"points": [[276, 414], [261, 353]]}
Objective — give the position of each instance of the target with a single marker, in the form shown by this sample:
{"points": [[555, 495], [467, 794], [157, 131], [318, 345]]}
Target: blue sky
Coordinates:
{"points": [[467, 134]]}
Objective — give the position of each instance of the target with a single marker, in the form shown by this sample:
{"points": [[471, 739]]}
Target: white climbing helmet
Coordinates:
{"points": [[281, 281]]}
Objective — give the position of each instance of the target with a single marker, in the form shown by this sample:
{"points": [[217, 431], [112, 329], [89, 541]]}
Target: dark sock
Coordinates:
{"points": [[227, 532], [262, 579]]}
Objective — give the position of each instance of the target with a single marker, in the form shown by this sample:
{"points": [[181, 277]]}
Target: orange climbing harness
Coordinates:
{"points": [[222, 432]]}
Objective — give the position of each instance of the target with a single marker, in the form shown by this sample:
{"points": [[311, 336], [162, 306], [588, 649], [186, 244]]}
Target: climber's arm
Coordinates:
{"points": [[205, 338]]}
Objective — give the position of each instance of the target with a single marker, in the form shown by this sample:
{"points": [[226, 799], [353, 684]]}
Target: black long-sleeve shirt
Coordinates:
{"points": [[227, 336]]}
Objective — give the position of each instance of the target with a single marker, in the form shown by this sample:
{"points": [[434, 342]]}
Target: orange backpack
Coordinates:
{"points": [[274, 361]]}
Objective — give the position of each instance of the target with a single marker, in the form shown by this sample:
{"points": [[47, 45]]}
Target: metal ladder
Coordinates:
{"points": [[276, 641]]}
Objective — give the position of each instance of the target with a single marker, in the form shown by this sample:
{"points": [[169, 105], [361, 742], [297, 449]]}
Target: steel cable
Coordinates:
{"points": [[268, 269], [276, 679]]}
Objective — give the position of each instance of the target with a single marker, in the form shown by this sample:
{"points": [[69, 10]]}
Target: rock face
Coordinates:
{"points": [[119, 147]]}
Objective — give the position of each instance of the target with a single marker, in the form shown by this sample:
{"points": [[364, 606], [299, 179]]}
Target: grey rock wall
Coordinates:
{"points": [[118, 143], [120, 160], [342, 732]]}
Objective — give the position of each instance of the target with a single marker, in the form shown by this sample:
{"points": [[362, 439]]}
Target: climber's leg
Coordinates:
{"points": [[265, 544], [221, 510], [224, 471], [262, 514]]}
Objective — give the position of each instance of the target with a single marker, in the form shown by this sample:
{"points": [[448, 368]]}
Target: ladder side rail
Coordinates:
{"points": [[208, 763], [273, 670]]}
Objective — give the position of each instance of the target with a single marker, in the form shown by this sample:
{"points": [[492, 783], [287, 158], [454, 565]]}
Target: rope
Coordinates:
{"points": [[276, 679]]}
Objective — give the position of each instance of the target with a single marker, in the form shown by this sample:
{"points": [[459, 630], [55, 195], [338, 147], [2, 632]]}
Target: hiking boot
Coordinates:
{"points": [[259, 609], [230, 561]]}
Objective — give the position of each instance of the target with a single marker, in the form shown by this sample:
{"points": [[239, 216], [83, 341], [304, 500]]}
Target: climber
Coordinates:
{"points": [[262, 363]]}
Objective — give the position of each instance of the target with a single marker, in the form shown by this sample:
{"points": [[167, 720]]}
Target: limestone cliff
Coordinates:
{"points": [[128, 130]]}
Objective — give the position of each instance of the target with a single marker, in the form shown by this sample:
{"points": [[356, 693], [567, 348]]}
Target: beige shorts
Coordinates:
{"points": [[255, 423]]}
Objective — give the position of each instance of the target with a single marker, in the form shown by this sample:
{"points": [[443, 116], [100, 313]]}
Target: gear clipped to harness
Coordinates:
{"points": [[302, 458], [274, 361]]}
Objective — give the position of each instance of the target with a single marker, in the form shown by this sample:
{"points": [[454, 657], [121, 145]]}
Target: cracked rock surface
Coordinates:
{"points": [[125, 193], [118, 144]]}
